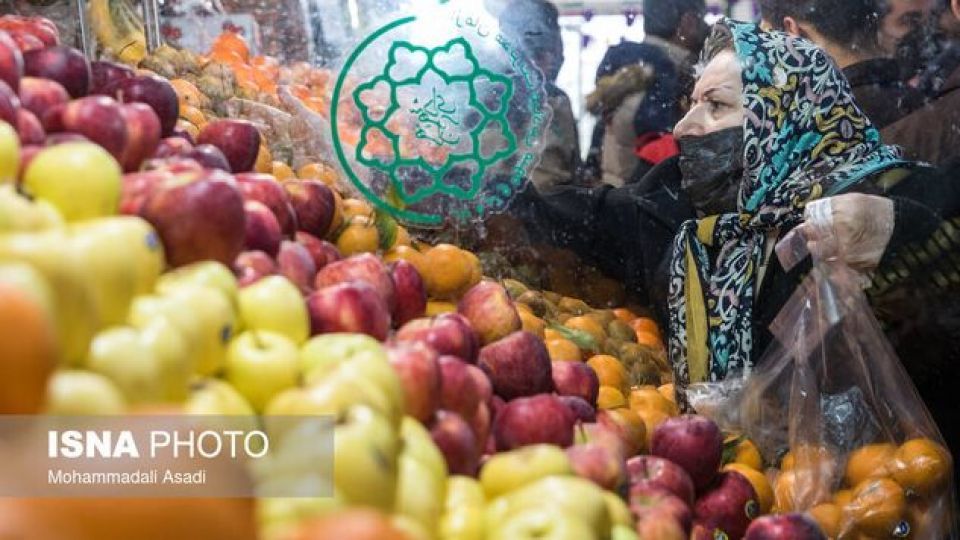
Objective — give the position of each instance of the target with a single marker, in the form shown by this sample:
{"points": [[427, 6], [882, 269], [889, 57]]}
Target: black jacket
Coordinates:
{"points": [[881, 92]]}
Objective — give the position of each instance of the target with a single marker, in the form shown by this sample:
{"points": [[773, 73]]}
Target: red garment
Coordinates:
{"points": [[656, 147]]}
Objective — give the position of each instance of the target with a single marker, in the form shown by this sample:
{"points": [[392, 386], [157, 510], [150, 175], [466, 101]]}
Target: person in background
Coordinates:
{"points": [[535, 25], [848, 30], [637, 112], [908, 34], [932, 134]]}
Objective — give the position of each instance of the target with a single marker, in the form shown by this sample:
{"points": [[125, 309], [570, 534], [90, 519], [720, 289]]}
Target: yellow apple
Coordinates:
{"points": [[420, 493], [260, 365], [26, 278], [279, 516], [172, 352], [418, 444], [214, 397], [275, 304], [411, 528], [207, 274], [79, 178], [121, 355], [463, 517], [508, 471], [543, 523], [572, 496], [618, 510], [622, 532], [19, 214], [83, 393], [9, 154]]}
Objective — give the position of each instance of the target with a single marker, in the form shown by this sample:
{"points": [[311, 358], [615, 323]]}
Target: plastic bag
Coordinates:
{"points": [[832, 405]]}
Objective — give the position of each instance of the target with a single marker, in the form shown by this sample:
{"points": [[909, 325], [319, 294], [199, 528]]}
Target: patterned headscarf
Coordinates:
{"points": [[805, 138]]}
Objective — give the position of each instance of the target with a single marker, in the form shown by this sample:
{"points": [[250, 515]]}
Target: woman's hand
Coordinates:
{"points": [[854, 228]]}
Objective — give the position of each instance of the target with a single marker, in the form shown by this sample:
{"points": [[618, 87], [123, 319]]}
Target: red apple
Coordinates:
{"points": [[29, 128], [484, 386], [583, 411], [323, 252], [659, 473], [728, 506], [349, 307], [173, 147], [490, 311], [518, 365], [26, 42], [209, 156], [576, 379], [456, 442], [603, 435], [9, 103], [185, 135], [62, 64], [143, 130], [448, 334], [626, 425], [314, 205], [100, 119], [645, 501], [784, 527], [263, 231], [252, 266], [156, 92], [297, 265], [419, 373], [459, 392], [11, 62], [266, 189], [198, 221], [660, 525], [239, 141], [54, 139], [138, 187], [693, 442], [480, 422], [410, 291], [106, 75], [497, 404], [41, 28], [598, 464], [40, 96], [533, 420], [366, 268], [27, 153]]}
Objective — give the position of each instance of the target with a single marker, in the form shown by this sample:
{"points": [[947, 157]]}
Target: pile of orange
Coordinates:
{"points": [[447, 270]]}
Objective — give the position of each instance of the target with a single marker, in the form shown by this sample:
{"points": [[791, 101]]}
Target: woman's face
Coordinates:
{"points": [[717, 100]]}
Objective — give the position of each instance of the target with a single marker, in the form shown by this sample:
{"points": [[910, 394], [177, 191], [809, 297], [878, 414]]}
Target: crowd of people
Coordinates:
{"points": [[710, 145]]}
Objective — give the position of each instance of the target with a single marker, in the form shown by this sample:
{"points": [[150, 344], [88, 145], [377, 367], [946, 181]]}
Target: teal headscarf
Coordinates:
{"points": [[805, 138]]}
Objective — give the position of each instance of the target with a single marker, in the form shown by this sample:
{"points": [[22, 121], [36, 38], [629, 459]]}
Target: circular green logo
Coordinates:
{"points": [[438, 118]]}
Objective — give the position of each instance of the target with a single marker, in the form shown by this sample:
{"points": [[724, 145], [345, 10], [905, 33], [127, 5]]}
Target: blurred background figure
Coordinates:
{"points": [[638, 107], [932, 134], [535, 25], [849, 30]]}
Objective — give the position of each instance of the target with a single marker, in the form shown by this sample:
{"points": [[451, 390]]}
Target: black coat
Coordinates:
{"points": [[881, 92]]}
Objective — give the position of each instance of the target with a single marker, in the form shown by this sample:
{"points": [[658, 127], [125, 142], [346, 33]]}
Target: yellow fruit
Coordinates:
{"points": [[406, 253], [193, 115], [448, 271], [356, 207], [359, 236], [589, 325], [264, 162], [870, 461], [921, 466], [878, 506], [747, 454], [563, 350], [759, 482], [829, 517], [282, 171], [610, 371], [435, 308], [189, 94], [531, 323], [610, 398], [652, 420], [647, 397]]}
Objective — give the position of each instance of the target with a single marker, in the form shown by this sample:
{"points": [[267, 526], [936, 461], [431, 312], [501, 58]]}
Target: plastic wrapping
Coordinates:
{"points": [[832, 406]]}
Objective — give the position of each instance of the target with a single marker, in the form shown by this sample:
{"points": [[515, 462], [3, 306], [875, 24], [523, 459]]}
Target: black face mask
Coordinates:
{"points": [[712, 167]]}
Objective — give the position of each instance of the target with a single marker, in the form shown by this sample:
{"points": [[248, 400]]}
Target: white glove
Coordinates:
{"points": [[853, 228]]}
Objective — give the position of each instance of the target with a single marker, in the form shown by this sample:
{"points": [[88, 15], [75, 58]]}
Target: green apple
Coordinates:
{"points": [[543, 523], [121, 355], [83, 393], [77, 316], [214, 397], [463, 517], [117, 275], [411, 528], [260, 365], [327, 352], [208, 274], [571, 496], [464, 491], [79, 178], [618, 510], [421, 492], [418, 444], [366, 449], [172, 352], [9, 154], [275, 304], [280, 516], [508, 471], [19, 214], [26, 278], [623, 532]]}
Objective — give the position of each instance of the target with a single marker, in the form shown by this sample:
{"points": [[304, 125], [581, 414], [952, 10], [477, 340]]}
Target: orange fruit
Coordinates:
{"points": [[233, 42], [28, 351], [448, 272], [550, 333], [264, 162], [668, 391], [842, 497], [870, 461], [189, 94], [319, 171], [785, 492], [356, 207], [649, 339], [921, 466], [647, 397], [651, 421], [610, 398], [759, 482], [193, 115], [878, 506], [645, 324], [747, 453], [406, 253], [829, 517], [809, 457], [633, 430], [435, 308], [531, 323], [359, 236], [625, 315], [799, 488], [338, 219], [228, 57], [402, 237], [282, 171], [610, 371], [589, 325], [476, 268], [564, 350]]}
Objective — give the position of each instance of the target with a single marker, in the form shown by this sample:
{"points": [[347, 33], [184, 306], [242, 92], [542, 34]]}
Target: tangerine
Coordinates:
{"points": [[264, 162], [564, 350], [647, 397], [448, 272], [843, 497], [870, 461], [319, 171], [406, 253], [610, 371], [625, 315], [645, 324], [359, 236], [189, 94], [747, 453], [759, 482], [282, 171], [591, 326], [829, 517], [649, 339], [531, 323], [668, 391], [435, 308], [877, 508], [652, 420], [921, 466], [355, 207], [610, 398], [193, 115]]}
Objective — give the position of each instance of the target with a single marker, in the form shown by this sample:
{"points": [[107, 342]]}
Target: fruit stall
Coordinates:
{"points": [[182, 232]]}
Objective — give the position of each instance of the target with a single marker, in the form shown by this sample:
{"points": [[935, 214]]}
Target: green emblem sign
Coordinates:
{"points": [[437, 117]]}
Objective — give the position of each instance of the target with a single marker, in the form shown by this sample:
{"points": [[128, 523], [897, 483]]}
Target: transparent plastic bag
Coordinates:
{"points": [[832, 406]]}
